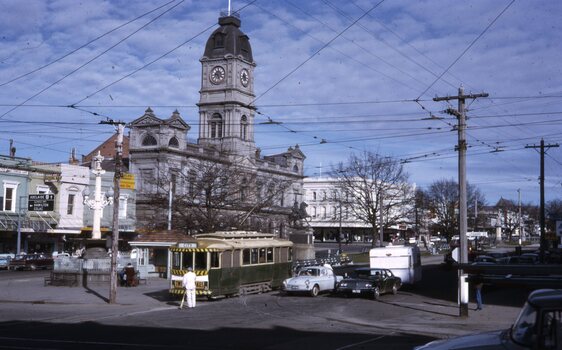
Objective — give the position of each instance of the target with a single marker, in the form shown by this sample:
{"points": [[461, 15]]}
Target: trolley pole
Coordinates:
{"points": [[461, 147]]}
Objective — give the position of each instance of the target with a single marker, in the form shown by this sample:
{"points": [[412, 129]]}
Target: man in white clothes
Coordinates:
{"points": [[189, 285]]}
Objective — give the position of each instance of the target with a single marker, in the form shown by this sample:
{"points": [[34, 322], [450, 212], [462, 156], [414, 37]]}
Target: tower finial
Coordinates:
{"points": [[229, 7]]}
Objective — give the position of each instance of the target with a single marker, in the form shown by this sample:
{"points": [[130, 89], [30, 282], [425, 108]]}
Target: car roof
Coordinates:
{"points": [[370, 269], [546, 298]]}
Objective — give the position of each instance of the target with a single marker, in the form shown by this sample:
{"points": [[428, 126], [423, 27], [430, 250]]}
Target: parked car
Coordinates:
{"points": [[539, 326], [527, 258], [312, 280], [485, 259], [371, 282], [5, 260], [31, 262]]}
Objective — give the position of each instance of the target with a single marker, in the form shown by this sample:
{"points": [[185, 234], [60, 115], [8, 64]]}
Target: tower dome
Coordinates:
{"points": [[228, 39]]}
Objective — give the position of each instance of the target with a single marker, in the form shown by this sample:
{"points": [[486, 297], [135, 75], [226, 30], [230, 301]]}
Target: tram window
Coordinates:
{"points": [[215, 259], [201, 261], [187, 260], [176, 260], [246, 257], [262, 256], [269, 255], [254, 256]]}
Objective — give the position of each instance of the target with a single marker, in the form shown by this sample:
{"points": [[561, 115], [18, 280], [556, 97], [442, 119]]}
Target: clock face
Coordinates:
{"points": [[217, 75], [244, 77]]}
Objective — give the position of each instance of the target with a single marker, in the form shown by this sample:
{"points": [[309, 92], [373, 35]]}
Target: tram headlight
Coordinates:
{"points": [[307, 282]]}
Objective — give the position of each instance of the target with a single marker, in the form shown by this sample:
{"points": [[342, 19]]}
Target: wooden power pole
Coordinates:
{"points": [[543, 244], [461, 147]]}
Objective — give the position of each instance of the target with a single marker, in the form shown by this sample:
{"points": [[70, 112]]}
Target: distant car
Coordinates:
{"points": [[31, 262], [527, 258], [485, 259], [371, 282], [5, 260], [539, 326], [312, 280]]}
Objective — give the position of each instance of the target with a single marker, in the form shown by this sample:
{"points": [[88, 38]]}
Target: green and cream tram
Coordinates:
{"points": [[232, 263]]}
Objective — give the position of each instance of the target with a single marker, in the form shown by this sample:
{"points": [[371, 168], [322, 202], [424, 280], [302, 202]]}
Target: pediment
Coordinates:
{"points": [[146, 120], [178, 123]]}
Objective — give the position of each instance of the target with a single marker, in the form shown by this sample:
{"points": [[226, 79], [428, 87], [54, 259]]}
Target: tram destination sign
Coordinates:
{"points": [[41, 202]]}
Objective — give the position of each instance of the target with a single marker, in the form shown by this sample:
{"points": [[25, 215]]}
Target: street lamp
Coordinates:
{"points": [[98, 202]]}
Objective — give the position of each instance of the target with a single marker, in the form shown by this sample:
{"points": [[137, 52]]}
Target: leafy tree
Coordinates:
{"points": [[366, 179]]}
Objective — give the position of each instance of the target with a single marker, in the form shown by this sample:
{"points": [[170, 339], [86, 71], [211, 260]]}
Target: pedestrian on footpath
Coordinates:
{"points": [[478, 283], [189, 285]]}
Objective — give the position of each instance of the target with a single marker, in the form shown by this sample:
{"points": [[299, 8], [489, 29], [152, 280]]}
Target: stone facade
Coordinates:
{"points": [[160, 151]]}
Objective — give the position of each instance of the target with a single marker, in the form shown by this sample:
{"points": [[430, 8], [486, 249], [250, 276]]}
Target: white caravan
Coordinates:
{"points": [[403, 261]]}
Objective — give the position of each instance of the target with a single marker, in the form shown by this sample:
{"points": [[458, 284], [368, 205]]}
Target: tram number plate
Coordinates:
{"points": [[200, 284], [356, 291]]}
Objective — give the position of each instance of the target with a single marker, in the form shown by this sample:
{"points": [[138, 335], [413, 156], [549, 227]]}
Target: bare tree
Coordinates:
{"points": [[367, 182], [553, 210], [211, 195], [444, 202]]}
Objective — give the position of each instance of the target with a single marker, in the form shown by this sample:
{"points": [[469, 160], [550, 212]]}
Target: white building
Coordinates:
{"points": [[327, 215]]}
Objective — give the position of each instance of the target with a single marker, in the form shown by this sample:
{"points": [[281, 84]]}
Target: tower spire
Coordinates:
{"points": [[229, 7]]}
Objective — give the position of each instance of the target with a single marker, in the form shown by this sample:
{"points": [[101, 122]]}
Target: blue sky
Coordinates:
{"points": [[344, 72]]}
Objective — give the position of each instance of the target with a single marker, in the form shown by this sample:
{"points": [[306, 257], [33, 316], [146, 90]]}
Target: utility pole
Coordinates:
{"points": [[113, 278], [381, 228], [519, 219], [461, 147], [543, 245]]}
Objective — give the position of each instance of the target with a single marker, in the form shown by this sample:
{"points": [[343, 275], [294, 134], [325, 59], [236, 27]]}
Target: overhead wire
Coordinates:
{"points": [[314, 54], [90, 60], [11, 80], [467, 48]]}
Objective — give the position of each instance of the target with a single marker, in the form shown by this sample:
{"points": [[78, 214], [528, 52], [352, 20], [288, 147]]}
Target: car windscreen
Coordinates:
{"points": [[309, 272], [524, 329]]}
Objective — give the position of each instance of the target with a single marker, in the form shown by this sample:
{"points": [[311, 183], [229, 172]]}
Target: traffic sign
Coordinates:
{"points": [[41, 202]]}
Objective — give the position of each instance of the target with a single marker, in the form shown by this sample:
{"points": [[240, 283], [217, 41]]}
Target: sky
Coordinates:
{"points": [[337, 77]]}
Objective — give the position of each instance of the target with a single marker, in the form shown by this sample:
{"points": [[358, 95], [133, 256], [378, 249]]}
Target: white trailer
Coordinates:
{"points": [[403, 261]]}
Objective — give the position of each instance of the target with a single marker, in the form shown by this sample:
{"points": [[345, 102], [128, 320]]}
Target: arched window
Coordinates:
{"points": [[216, 126], [244, 128], [174, 142], [296, 169], [149, 140]]}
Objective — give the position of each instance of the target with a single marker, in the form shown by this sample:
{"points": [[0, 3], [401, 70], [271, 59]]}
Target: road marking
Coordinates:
{"points": [[364, 342]]}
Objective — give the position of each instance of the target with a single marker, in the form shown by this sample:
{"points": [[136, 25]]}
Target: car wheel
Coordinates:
{"points": [[376, 293], [314, 291], [395, 289], [33, 267]]}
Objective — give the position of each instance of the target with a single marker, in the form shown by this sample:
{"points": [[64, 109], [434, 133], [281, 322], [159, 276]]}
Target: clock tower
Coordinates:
{"points": [[226, 118]]}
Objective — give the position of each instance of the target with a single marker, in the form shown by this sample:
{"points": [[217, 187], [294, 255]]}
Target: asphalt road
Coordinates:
{"points": [[263, 321]]}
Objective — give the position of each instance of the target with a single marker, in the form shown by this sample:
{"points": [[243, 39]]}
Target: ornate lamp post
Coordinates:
{"points": [[98, 203]]}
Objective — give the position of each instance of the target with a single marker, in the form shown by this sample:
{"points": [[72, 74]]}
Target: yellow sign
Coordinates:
{"points": [[128, 181]]}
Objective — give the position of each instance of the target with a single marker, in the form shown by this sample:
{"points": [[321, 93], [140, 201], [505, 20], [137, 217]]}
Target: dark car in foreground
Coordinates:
{"points": [[370, 282], [31, 262], [539, 326]]}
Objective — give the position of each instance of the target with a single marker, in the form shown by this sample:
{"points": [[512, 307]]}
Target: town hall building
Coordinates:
{"points": [[175, 177]]}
